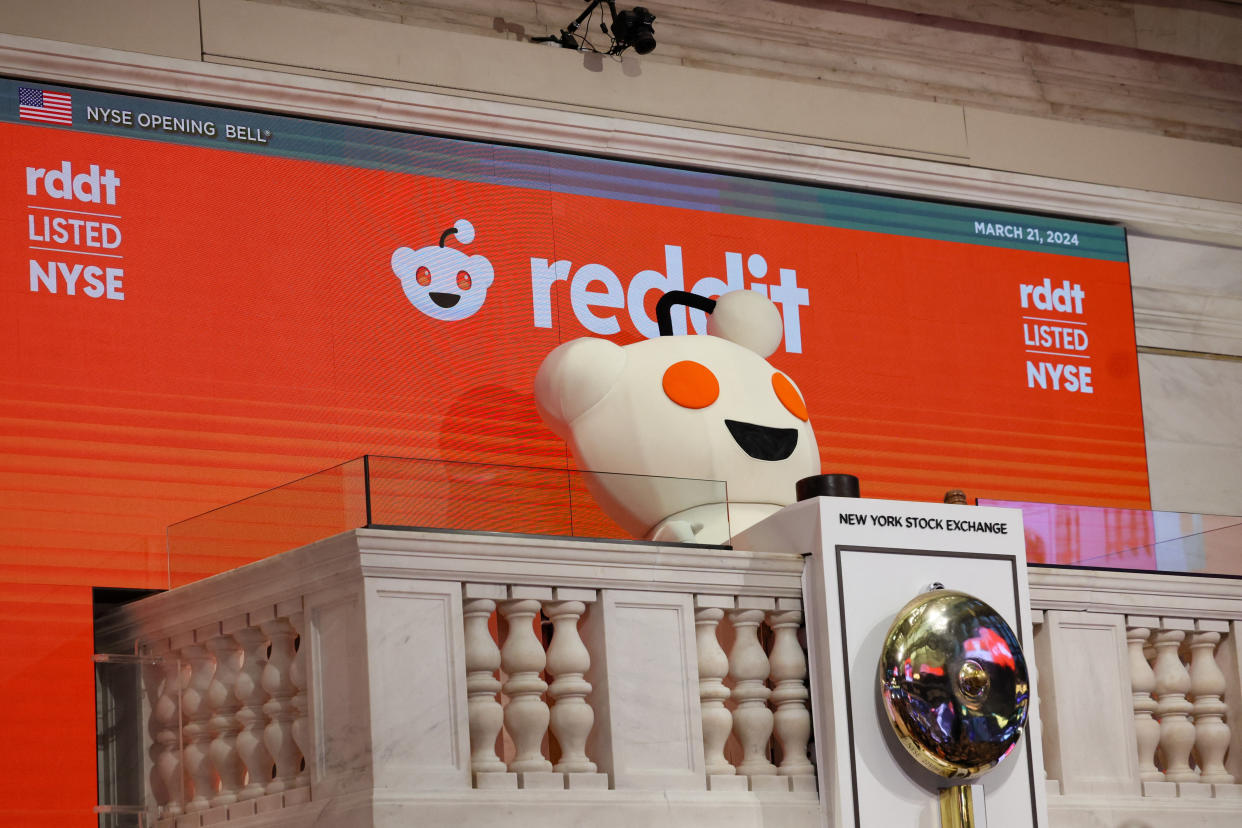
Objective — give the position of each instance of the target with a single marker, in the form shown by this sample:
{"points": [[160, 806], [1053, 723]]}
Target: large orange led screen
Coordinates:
{"points": [[200, 303]]}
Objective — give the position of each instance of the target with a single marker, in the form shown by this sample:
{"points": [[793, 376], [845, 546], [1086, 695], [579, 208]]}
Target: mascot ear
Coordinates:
{"points": [[573, 378], [748, 318]]}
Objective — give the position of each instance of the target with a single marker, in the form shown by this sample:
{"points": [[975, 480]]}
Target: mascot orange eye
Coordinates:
{"points": [[691, 384], [423, 275], [463, 280], [789, 396]]}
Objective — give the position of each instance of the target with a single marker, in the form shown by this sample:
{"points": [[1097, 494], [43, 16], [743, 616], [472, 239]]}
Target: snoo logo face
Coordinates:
{"points": [[443, 282]]}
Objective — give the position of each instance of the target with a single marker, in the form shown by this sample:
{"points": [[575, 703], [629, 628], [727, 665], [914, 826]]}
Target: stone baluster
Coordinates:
{"points": [[749, 668], [197, 729], [223, 704], [1207, 689], [482, 661], [568, 660], [713, 667], [1142, 683], [300, 700], [152, 681], [278, 735], [522, 658], [251, 696], [1177, 733], [789, 692], [166, 769]]}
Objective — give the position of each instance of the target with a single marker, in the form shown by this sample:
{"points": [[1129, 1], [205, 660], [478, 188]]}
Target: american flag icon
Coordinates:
{"points": [[41, 105]]}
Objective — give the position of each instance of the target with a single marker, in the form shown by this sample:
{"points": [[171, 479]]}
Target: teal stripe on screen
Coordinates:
{"points": [[447, 158]]}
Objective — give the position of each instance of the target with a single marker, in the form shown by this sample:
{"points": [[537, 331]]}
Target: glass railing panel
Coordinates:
{"points": [[1135, 539], [398, 492], [590, 521], [268, 523], [476, 497], [468, 496]]}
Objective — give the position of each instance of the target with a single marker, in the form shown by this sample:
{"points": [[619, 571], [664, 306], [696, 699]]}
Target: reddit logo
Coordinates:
{"points": [[444, 282]]}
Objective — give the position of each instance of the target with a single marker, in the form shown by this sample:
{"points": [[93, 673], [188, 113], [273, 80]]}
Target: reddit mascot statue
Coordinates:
{"points": [[654, 422]]}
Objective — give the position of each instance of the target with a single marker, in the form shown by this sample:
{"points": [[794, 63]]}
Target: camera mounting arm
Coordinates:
{"points": [[629, 28]]}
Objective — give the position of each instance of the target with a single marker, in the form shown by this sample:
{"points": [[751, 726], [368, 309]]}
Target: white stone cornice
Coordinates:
{"points": [[575, 562], [1008, 56], [1154, 213], [1135, 593], [474, 557], [1185, 320]]}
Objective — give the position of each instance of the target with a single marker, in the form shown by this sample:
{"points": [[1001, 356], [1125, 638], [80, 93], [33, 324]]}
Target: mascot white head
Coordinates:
{"points": [[666, 414]]}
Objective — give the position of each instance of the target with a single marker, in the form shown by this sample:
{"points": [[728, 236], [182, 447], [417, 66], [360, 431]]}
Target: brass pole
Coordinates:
{"points": [[957, 807]]}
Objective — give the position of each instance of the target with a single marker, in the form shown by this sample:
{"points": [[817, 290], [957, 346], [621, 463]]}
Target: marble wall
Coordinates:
{"points": [[1109, 109], [1188, 324], [1187, 295], [1086, 91], [1192, 414], [1110, 62], [1051, 101]]}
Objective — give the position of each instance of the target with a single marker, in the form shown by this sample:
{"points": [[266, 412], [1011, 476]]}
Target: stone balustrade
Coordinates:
{"points": [[384, 676], [381, 676], [1140, 691], [227, 724], [769, 694]]}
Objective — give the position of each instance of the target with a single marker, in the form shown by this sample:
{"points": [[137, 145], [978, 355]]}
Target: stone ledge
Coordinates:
{"points": [[1134, 593], [1189, 321], [1173, 216], [1103, 62]]}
